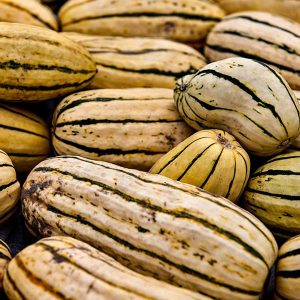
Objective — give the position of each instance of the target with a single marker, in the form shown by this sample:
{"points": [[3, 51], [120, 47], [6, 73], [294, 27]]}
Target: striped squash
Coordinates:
{"points": [[187, 21], [273, 194], [287, 8], [296, 143], [131, 127], [38, 64], [27, 12], [157, 226], [23, 136], [205, 159], [5, 257], [138, 62], [10, 189], [287, 284], [262, 114], [54, 4], [261, 36], [64, 268]]}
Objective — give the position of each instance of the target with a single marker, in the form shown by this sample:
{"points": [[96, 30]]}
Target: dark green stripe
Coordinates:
{"points": [[233, 178], [19, 113], [3, 256], [289, 274], [84, 122], [178, 214], [212, 170], [14, 286], [62, 12], [98, 99], [211, 107], [176, 187], [254, 207], [5, 186], [15, 65], [247, 169], [111, 151], [275, 173], [33, 15], [44, 87], [6, 246], [26, 154], [144, 51], [282, 158], [259, 39], [280, 296], [179, 153], [23, 130], [247, 90], [132, 247], [6, 165], [155, 71], [245, 17], [147, 14], [39, 282], [281, 196], [194, 160], [290, 253]]}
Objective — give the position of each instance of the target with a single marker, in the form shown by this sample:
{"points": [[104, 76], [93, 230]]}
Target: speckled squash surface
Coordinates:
{"points": [[263, 114], [65, 268], [206, 159], [128, 127], [138, 62], [157, 226]]}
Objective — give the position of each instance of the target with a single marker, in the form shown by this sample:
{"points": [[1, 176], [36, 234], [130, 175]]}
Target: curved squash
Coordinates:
{"points": [[287, 284], [65, 268], [5, 257], [205, 159], [273, 194], [130, 127], [263, 115], [157, 226]]}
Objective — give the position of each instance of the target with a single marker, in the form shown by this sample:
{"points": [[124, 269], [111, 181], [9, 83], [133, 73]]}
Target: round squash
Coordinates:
{"points": [[5, 257], [247, 98], [287, 284], [296, 142], [205, 159], [10, 189], [273, 194]]}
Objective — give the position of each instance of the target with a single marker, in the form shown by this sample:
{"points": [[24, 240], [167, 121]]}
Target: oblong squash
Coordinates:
{"points": [[273, 194], [157, 226], [23, 136], [5, 257], [296, 142], [65, 268], [27, 12], [261, 36], [28, 74], [10, 189], [130, 127], [287, 284], [187, 21], [262, 114], [138, 62], [287, 8], [205, 159]]}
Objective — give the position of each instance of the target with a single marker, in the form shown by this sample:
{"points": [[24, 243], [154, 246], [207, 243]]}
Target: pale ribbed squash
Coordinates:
{"points": [[23, 136], [157, 226], [210, 159], [296, 142], [188, 21], [40, 64], [10, 189], [128, 127], [27, 12], [273, 194], [138, 62], [245, 97], [287, 284], [261, 36], [65, 268]]}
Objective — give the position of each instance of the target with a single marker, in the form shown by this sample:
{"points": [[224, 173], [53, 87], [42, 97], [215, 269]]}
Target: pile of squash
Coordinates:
{"points": [[153, 148]]}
